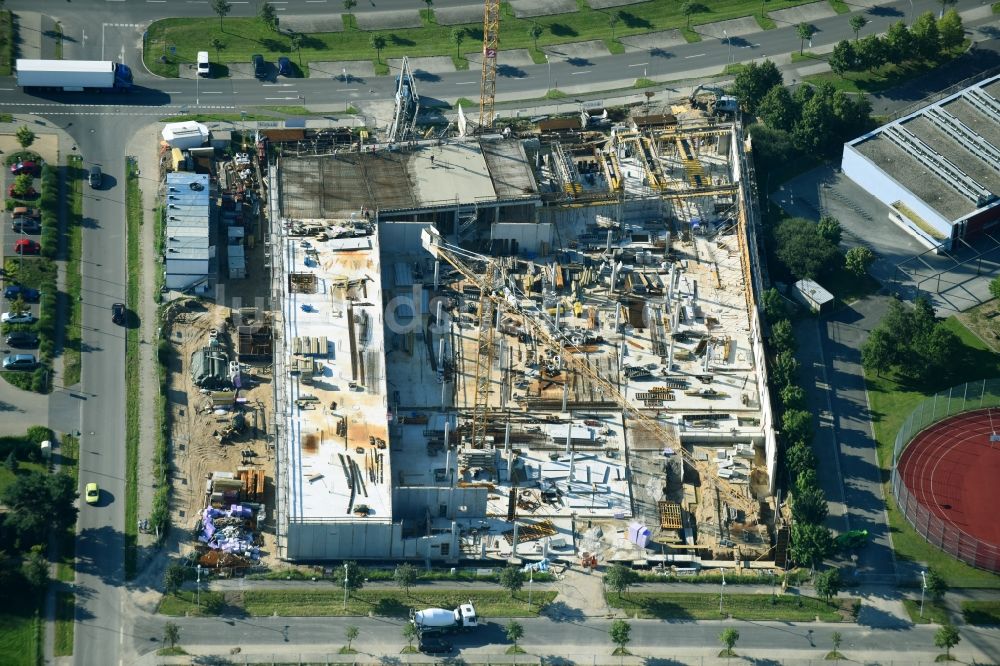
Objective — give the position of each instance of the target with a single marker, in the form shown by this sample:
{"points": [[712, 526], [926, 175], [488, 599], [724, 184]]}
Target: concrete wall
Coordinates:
{"points": [[360, 540], [401, 236], [413, 503], [529, 236]]}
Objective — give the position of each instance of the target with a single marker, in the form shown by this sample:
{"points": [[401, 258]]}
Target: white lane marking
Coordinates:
{"points": [[211, 92], [279, 98], [346, 89], [697, 55], [586, 71], [639, 64], [6, 88], [465, 83], [171, 92]]}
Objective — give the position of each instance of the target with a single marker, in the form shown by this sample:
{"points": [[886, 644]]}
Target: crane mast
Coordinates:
{"points": [[491, 43]]}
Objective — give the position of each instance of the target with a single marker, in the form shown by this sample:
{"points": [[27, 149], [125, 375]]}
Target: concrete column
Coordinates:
{"points": [[437, 281], [506, 438], [565, 398], [608, 249], [569, 436], [447, 432], [441, 355]]}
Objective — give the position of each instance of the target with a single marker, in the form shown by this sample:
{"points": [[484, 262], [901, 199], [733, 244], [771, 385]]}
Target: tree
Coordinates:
{"points": [[217, 44], [410, 633], [613, 19], [688, 10], [429, 4], [350, 633], [830, 229], [728, 637], [951, 32], [354, 575], [268, 15], [377, 42], [173, 577], [805, 31], [295, 42], [222, 9], [11, 463], [782, 336], [798, 458], [36, 502], [512, 579], [797, 425], [171, 633], [816, 130], [810, 543], [349, 6], [871, 53], [934, 353], [36, 567], [405, 576], [828, 583], [844, 57], [621, 634], [926, 38], [774, 307], [809, 504], [857, 22], [25, 136], [786, 368], [800, 245], [858, 259], [457, 37], [945, 4], [620, 578], [836, 638], [535, 31], [878, 352], [898, 42], [514, 632], [792, 397], [995, 287], [22, 184], [947, 637], [778, 110], [753, 82], [936, 585]]}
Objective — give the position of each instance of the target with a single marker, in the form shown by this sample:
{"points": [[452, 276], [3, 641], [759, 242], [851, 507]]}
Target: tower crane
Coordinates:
{"points": [[491, 43], [494, 287]]}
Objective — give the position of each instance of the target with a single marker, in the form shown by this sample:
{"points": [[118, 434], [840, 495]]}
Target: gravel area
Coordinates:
{"points": [[803, 13], [929, 133], [979, 122], [523, 8], [734, 27]]}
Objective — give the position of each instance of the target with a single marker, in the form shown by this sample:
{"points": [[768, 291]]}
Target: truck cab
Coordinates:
{"points": [[468, 616]]}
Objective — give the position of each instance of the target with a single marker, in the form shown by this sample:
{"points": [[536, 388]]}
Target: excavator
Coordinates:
{"points": [[715, 101]]}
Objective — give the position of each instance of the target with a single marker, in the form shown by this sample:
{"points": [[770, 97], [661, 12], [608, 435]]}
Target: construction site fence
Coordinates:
{"points": [[944, 535], [335, 659]]}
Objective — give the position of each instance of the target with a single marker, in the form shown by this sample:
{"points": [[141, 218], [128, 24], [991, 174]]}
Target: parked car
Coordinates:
{"points": [[257, 60], [284, 66], [434, 645], [28, 167], [118, 313], [29, 194], [26, 246], [204, 67], [95, 177], [24, 211], [22, 340], [12, 292], [20, 362], [17, 318], [93, 493], [27, 225]]}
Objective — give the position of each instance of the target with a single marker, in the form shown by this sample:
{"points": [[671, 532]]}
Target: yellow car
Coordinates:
{"points": [[93, 493]]}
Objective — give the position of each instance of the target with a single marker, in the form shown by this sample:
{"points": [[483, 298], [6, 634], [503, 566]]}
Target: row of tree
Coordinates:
{"points": [[808, 250], [928, 39], [911, 342]]}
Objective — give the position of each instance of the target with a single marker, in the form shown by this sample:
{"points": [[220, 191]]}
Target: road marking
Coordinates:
{"points": [[697, 55], [211, 92], [639, 64], [6, 88], [271, 99], [172, 92], [308, 1], [465, 83], [586, 71]]}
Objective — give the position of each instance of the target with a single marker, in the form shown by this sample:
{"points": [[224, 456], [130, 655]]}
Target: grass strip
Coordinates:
{"points": [[765, 22], [69, 457], [59, 41], [388, 575], [173, 42], [807, 56], [887, 76], [72, 344], [216, 117], [65, 612], [840, 6], [933, 612], [20, 633], [981, 612], [705, 606], [7, 52], [133, 223], [891, 403]]}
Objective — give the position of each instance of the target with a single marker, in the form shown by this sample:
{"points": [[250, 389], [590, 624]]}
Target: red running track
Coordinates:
{"points": [[953, 469]]}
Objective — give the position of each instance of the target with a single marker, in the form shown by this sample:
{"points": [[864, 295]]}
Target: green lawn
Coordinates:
{"points": [[69, 451], [891, 403], [185, 603], [74, 276], [20, 634], [65, 610], [981, 612], [933, 612], [245, 36], [840, 6], [887, 76], [133, 224], [705, 606], [6, 42]]}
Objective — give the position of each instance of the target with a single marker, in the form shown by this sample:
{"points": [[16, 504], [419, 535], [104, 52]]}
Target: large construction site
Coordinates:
{"points": [[537, 344]]}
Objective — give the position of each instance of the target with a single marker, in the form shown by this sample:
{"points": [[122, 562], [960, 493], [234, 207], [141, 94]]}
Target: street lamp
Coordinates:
{"points": [[722, 589], [199, 584], [729, 58], [548, 85], [345, 585], [772, 586], [531, 579], [923, 589]]}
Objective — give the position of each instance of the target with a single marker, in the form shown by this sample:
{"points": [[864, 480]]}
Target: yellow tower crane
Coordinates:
{"points": [[491, 43]]}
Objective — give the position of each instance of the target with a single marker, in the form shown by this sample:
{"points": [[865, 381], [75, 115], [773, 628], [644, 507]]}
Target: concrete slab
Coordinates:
{"points": [[429, 64], [28, 34], [313, 23], [403, 18], [523, 8], [458, 15], [653, 40], [603, 4], [356, 69], [803, 13], [733, 27], [593, 49], [509, 58], [240, 70]]}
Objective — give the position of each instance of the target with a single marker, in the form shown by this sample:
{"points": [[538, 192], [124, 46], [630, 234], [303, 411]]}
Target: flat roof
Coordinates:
{"points": [[336, 403]]}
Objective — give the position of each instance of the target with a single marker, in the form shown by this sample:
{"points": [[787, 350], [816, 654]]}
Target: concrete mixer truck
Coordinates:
{"points": [[440, 620]]}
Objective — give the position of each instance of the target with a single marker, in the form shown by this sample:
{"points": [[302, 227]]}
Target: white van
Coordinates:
{"points": [[203, 67]]}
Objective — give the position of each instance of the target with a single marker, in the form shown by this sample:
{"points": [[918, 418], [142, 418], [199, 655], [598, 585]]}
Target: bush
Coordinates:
{"points": [[27, 446]]}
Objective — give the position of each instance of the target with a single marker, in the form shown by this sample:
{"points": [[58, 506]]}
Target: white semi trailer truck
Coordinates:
{"points": [[440, 620], [73, 75]]}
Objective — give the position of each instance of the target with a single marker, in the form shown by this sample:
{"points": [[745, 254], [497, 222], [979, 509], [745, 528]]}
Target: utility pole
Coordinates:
{"points": [[923, 589], [722, 589], [345, 585], [199, 585]]}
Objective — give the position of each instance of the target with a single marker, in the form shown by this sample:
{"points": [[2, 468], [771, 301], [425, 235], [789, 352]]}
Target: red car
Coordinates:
{"points": [[24, 167], [30, 194], [26, 246]]}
